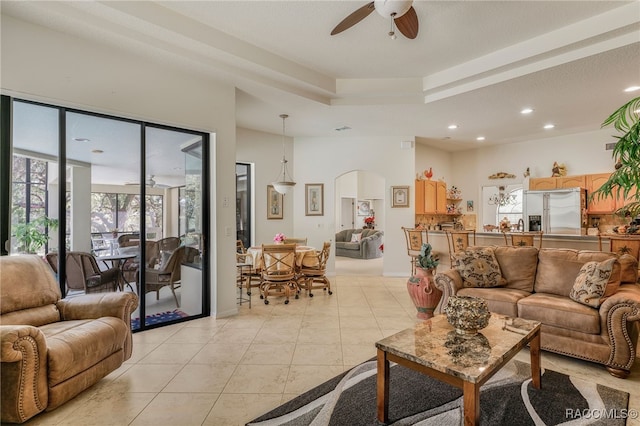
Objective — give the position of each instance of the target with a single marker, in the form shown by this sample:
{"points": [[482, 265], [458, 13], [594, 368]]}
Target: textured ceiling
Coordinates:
{"points": [[473, 63]]}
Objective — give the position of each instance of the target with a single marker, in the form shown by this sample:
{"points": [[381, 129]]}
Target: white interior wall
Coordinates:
{"points": [[48, 66], [264, 151], [317, 162]]}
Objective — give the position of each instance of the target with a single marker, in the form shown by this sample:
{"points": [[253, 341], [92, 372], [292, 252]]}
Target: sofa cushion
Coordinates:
{"points": [[558, 269], [591, 282], [499, 300], [559, 311], [629, 269], [74, 346], [351, 246], [518, 266], [478, 267]]}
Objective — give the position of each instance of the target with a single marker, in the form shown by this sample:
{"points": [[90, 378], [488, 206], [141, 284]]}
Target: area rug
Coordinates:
{"points": [[158, 318], [508, 398]]}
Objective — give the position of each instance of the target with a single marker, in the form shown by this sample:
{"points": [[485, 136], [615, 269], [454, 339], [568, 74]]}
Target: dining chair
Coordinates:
{"points": [[299, 241], [168, 244], [316, 276], [523, 239], [128, 240], [458, 240], [84, 274], [249, 275], [415, 237], [278, 271], [169, 273], [620, 244]]}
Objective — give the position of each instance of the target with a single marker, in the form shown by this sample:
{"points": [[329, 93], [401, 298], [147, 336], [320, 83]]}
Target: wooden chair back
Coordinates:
{"points": [[459, 241], [620, 244], [524, 239], [278, 261]]}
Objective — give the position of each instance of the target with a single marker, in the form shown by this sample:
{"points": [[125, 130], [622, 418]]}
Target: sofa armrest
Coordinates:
{"points": [[617, 314], [370, 244], [449, 282], [92, 306], [23, 352]]}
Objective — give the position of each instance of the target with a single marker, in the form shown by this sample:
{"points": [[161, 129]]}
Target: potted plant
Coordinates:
{"points": [[33, 235], [421, 287], [625, 180]]}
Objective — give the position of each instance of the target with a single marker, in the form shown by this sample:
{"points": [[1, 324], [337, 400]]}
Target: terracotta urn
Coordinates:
{"points": [[423, 292]]}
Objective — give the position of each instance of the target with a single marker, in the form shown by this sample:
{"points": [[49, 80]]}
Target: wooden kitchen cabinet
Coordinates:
{"points": [[571, 181], [599, 205], [536, 184], [435, 197], [419, 190]]}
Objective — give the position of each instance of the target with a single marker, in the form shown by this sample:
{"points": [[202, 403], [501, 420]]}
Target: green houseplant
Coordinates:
{"points": [[625, 180], [32, 235]]}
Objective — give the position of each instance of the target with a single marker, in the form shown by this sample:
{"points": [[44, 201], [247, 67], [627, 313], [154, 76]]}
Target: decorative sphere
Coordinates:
{"points": [[387, 7]]}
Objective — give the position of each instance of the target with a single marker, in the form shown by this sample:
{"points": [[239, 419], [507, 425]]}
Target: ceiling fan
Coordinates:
{"points": [[401, 12], [150, 182]]}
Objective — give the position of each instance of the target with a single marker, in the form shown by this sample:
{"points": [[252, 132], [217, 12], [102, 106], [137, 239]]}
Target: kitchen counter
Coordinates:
{"points": [[438, 240]]}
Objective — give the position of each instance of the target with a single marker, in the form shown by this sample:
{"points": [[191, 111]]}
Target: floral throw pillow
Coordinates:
{"points": [[355, 238], [478, 268], [591, 282]]}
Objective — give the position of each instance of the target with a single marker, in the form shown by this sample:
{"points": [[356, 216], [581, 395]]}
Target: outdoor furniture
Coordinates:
{"points": [[84, 274], [169, 273]]}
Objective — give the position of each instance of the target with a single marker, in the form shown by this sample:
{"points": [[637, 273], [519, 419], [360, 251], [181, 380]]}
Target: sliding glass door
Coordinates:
{"points": [[129, 193]]}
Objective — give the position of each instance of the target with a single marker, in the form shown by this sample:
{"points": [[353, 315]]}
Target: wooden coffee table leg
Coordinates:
{"points": [[383, 386], [534, 349], [471, 401]]}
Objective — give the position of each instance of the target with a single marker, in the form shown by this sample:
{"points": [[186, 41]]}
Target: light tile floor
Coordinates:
{"points": [[229, 371]]}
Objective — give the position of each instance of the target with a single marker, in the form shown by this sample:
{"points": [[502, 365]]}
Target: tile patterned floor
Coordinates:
{"points": [[228, 371]]}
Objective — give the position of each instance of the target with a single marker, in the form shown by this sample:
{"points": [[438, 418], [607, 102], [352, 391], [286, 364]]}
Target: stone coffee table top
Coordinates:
{"points": [[435, 344]]}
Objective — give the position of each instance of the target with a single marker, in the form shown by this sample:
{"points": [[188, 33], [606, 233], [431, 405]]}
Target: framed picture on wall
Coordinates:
{"points": [[314, 199], [399, 196], [364, 207], [274, 203]]}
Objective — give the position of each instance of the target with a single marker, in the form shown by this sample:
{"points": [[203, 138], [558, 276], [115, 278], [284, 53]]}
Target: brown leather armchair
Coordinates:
{"points": [[52, 349]]}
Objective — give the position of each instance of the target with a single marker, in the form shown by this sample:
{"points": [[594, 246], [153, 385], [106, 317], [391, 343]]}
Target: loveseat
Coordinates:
{"points": [[587, 301], [366, 246], [51, 349]]}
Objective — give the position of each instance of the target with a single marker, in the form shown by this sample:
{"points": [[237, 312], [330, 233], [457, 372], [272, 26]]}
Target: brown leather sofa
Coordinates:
{"points": [[538, 284], [51, 349]]}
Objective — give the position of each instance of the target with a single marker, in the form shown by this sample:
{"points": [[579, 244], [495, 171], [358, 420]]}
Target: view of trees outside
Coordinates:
{"points": [[121, 212], [29, 193]]}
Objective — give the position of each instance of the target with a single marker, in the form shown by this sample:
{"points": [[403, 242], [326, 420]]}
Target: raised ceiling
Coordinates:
{"points": [[475, 64]]}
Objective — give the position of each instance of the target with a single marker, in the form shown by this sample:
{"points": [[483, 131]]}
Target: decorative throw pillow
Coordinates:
{"points": [[478, 268], [591, 282], [356, 238]]}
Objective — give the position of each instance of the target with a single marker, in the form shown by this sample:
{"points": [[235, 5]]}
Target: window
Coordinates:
{"points": [[513, 211], [121, 212]]}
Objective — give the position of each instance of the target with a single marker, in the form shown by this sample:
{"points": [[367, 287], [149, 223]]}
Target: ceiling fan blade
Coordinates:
{"points": [[407, 24], [354, 18]]}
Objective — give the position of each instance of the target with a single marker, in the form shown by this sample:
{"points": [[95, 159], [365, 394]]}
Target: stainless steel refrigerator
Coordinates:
{"points": [[556, 211]]}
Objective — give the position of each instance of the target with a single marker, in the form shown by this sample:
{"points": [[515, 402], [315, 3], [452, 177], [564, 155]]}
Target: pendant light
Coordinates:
{"points": [[283, 185]]}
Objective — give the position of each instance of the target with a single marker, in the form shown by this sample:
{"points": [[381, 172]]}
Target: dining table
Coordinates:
{"points": [[117, 260]]}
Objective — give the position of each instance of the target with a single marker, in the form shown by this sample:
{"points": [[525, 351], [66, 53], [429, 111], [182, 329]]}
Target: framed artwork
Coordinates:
{"points": [[314, 199], [274, 203], [364, 208], [469, 205], [399, 196]]}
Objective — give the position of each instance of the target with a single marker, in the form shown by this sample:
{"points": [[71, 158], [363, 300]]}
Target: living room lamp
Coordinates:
{"points": [[283, 185]]}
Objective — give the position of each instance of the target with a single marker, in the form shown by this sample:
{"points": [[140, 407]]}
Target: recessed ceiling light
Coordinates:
{"points": [[632, 88], [82, 140], [453, 126], [549, 126], [526, 111], [480, 138], [97, 151]]}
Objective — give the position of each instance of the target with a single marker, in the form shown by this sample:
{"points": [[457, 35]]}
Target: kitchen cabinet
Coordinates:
{"points": [[431, 197], [562, 182], [435, 197], [419, 192], [571, 182], [536, 184], [599, 205]]}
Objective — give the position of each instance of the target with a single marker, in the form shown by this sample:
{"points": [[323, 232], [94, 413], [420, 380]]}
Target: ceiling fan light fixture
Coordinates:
{"points": [[392, 8], [283, 185]]}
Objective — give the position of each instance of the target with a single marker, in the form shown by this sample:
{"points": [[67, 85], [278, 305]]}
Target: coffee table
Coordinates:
{"points": [[434, 348]]}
